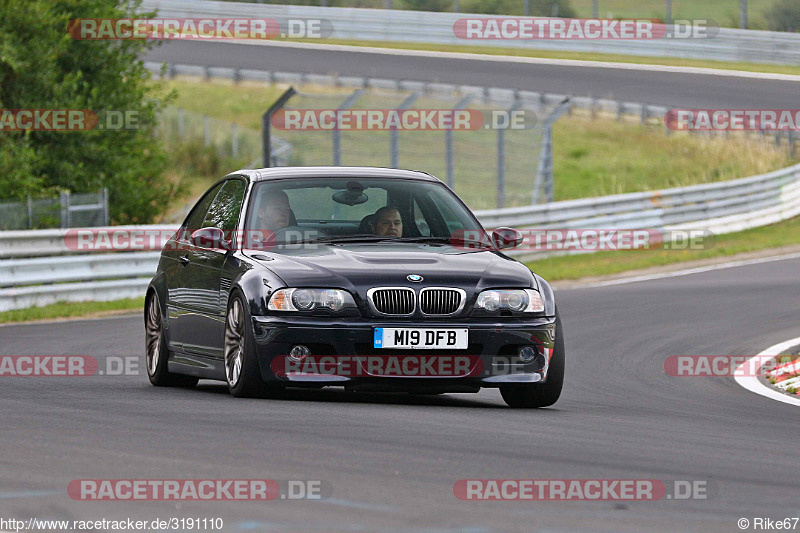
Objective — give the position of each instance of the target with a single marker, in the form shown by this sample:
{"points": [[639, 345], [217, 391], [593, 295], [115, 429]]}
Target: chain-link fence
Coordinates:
{"points": [[488, 152], [65, 211]]}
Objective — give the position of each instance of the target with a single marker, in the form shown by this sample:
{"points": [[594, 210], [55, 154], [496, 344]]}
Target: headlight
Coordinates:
{"points": [[518, 300], [310, 299]]}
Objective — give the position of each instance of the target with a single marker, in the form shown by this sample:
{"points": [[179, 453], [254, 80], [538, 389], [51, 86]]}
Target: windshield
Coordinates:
{"points": [[357, 210]]}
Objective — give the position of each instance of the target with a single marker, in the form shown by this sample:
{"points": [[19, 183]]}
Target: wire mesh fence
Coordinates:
{"points": [[64, 211], [488, 152]]}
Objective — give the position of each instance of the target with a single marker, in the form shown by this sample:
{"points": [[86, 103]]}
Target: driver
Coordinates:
{"points": [[274, 211], [388, 222]]}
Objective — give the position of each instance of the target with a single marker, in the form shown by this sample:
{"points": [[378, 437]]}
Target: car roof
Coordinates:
{"points": [[263, 174]]}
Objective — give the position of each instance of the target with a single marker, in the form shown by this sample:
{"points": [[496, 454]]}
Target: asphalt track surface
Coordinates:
{"points": [[665, 88], [392, 460]]}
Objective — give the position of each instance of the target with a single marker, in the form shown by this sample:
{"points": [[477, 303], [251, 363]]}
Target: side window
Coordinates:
{"points": [[224, 210], [195, 220]]}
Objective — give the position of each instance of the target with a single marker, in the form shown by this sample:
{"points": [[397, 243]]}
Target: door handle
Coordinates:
{"points": [[184, 259]]}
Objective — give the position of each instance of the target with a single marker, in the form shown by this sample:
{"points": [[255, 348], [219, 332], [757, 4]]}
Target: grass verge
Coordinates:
{"points": [[572, 267], [71, 309]]}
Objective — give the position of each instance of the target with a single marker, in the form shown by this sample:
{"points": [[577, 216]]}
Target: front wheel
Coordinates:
{"points": [[241, 364], [156, 351], [541, 394]]}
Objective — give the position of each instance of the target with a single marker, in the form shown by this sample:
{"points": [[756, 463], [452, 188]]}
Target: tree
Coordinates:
{"points": [[784, 15], [43, 67]]}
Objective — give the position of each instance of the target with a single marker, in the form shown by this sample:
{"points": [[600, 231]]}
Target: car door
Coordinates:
{"points": [[179, 278], [205, 320]]}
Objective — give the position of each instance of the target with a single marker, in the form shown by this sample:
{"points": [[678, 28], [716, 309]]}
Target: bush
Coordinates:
{"points": [[784, 15]]}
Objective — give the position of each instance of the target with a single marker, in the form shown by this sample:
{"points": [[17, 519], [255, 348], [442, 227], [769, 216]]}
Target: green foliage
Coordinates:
{"points": [[784, 15], [42, 67]]}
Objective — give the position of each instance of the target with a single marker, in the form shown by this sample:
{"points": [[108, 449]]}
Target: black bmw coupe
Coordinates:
{"points": [[367, 278]]}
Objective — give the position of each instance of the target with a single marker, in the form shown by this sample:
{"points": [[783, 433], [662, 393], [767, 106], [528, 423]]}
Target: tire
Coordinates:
{"points": [[156, 350], [541, 394], [242, 371]]}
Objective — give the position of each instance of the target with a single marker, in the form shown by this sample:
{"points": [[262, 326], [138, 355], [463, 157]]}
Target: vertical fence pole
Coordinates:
{"points": [[266, 144], [337, 133], [448, 143], [393, 133], [544, 172], [743, 14], [791, 143], [181, 125], [104, 197], [595, 9], [65, 209], [501, 155], [30, 212], [206, 131], [234, 140], [668, 17], [526, 7]]}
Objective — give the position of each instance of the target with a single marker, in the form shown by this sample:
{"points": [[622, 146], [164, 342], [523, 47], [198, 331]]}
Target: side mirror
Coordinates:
{"points": [[210, 238], [507, 238]]}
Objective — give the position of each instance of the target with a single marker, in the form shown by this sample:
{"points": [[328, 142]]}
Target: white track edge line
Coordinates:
{"points": [[752, 383]]}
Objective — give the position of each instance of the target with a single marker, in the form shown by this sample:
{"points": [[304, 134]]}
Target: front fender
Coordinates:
{"points": [[547, 295]]}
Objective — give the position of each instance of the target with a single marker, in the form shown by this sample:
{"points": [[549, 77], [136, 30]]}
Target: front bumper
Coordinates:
{"points": [[492, 351]]}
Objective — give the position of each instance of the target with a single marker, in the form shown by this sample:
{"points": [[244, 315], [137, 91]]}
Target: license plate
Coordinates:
{"points": [[422, 338]]}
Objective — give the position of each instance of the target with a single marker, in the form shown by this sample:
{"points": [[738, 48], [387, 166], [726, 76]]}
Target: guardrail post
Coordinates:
{"points": [[65, 209], [393, 134], [620, 110], [448, 143], [645, 114], [337, 133]]}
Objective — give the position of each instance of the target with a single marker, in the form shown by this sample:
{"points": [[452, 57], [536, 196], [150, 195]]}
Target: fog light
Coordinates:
{"points": [[527, 353], [298, 352]]}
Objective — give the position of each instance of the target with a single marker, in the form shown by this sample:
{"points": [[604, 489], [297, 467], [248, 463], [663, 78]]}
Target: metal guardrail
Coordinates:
{"points": [[437, 28], [720, 208]]}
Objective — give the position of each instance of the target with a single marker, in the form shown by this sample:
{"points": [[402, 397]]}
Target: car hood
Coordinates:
{"points": [[359, 267]]}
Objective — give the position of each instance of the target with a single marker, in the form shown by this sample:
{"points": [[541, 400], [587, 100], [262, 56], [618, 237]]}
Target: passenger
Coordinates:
{"points": [[388, 222]]}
